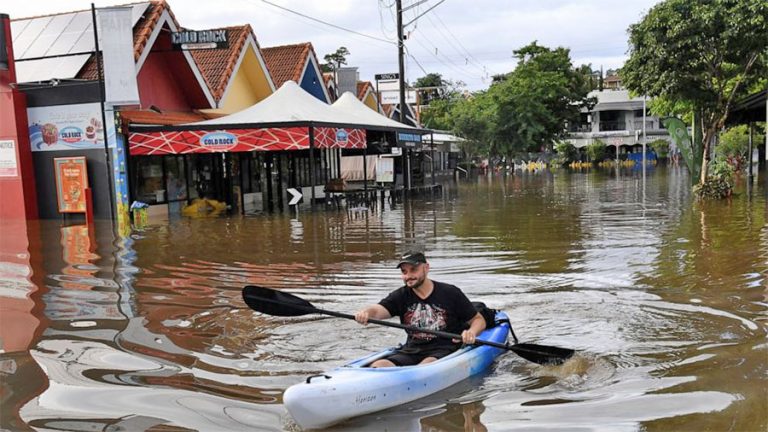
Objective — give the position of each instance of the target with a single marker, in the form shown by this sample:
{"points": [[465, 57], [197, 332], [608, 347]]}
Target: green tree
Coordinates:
{"points": [[334, 60], [733, 146], [703, 54], [471, 119], [596, 151], [566, 152], [533, 102]]}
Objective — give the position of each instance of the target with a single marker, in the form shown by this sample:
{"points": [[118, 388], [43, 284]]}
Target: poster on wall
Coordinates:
{"points": [[385, 170], [69, 127], [71, 181], [9, 167]]}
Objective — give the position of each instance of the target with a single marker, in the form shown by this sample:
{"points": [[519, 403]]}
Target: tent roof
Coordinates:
{"points": [[352, 107], [289, 104]]}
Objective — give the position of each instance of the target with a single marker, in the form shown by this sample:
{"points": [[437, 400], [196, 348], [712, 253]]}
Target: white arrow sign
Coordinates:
{"points": [[295, 196]]}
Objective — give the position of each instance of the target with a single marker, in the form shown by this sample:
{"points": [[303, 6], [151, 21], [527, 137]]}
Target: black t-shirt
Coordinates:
{"points": [[446, 309]]}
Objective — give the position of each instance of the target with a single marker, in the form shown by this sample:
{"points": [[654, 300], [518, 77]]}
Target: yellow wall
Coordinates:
{"points": [[249, 86], [370, 102]]}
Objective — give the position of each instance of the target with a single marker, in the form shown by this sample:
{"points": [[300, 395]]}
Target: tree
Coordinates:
{"points": [[704, 54], [334, 60], [430, 87], [534, 101]]}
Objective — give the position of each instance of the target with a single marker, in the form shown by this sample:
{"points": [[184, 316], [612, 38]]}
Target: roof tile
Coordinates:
{"points": [[286, 62], [218, 65]]}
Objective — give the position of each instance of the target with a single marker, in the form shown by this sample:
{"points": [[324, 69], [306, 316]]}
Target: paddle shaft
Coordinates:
{"points": [[400, 326]]}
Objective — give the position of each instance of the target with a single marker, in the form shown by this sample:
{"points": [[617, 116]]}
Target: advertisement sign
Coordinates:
{"points": [[385, 170], [69, 127], [9, 167], [116, 43], [71, 181], [393, 97]]}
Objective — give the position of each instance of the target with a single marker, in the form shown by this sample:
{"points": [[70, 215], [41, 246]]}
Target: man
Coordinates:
{"points": [[427, 304]]}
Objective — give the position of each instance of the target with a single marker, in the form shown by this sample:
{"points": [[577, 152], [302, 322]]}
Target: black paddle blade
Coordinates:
{"points": [[273, 302], [542, 354]]}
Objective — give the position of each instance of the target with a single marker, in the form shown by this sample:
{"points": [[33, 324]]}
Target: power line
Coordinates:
{"points": [[327, 23]]}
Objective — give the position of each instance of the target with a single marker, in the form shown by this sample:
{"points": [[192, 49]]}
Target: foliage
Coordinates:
{"points": [[660, 147], [719, 183], [699, 54], [334, 60], [534, 101], [566, 153], [733, 146], [596, 151]]}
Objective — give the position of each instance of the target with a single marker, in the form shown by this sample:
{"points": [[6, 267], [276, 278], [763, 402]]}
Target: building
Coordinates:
{"points": [[617, 120]]}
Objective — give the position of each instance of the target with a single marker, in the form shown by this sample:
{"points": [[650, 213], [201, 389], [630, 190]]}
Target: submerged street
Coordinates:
{"points": [[664, 299]]}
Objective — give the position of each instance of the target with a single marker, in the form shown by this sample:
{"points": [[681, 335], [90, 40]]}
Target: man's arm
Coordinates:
{"points": [[374, 311], [476, 326]]}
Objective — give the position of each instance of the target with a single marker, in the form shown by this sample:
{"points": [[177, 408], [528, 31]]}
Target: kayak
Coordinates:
{"points": [[354, 389]]}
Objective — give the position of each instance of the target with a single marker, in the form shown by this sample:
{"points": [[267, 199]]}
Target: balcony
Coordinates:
{"points": [[613, 125]]}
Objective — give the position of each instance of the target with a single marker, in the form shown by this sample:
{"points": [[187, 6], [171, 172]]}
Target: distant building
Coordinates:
{"points": [[617, 120]]}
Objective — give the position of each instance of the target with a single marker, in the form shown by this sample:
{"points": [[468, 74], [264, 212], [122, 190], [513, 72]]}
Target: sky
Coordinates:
{"points": [[465, 41]]}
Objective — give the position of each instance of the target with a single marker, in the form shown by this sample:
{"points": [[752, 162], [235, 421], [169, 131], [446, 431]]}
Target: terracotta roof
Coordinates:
{"points": [[362, 88], [141, 34], [167, 118], [218, 65], [286, 62], [328, 78]]}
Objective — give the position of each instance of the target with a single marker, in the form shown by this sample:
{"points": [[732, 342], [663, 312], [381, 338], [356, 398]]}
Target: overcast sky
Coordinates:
{"points": [[463, 40]]}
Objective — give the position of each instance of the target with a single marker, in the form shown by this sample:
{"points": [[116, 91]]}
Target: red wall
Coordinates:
{"points": [[167, 81], [17, 194]]}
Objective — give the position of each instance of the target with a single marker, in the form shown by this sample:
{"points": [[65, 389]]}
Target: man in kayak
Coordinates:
{"points": [[427, 304]]}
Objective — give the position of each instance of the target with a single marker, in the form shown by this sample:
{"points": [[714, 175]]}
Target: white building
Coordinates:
{"points": [[617, 120]]}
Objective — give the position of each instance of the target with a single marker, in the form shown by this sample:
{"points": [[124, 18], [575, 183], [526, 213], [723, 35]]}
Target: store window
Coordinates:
{"points": [[176, 179], [147, 181]]}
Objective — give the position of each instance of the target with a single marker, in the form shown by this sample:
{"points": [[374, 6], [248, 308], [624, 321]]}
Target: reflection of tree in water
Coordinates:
{"points": [[456, 417]]}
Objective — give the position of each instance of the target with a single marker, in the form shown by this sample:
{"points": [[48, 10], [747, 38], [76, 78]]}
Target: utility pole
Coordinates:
{"points": [[400, 63]]}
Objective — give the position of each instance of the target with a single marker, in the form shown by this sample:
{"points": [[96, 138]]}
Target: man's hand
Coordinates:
{"points": [[362, 316], [468, 337]]}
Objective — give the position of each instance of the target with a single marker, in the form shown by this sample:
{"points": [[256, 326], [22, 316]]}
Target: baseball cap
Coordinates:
{"points": [[412, 257]]}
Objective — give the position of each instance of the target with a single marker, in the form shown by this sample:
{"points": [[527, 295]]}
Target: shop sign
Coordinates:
{"points": [[341, 136], [202, 39], [68, 127], [71, 181], [9, 166], [387, 76], [409, 140], [220, 141]]}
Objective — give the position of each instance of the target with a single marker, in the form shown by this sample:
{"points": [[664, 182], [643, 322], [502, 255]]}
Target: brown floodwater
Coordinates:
{"points": [[665, 299]]}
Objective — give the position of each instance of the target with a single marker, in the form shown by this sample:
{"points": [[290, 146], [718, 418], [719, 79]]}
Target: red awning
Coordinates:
{"points": [[242, 140]]}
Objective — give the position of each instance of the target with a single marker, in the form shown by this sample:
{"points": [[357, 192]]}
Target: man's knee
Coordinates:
{"points": [[428, 360], [382, 363]]}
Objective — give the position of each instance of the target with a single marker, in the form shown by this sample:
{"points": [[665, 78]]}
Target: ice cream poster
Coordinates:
{"points": [[68, 127], [71, 181]]}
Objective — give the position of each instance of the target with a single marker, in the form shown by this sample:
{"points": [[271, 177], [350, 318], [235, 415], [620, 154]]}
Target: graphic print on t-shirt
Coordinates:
{"points": [[425, 316]]}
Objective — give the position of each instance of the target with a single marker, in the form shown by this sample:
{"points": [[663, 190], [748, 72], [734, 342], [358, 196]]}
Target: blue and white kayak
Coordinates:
{"points": [[354, 389]]}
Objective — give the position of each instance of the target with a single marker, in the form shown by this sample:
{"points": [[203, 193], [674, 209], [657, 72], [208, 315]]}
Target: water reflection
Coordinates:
{"points": [[665, 300]]}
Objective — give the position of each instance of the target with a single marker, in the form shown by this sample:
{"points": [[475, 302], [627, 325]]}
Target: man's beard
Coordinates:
{"points": [[417, 283]]}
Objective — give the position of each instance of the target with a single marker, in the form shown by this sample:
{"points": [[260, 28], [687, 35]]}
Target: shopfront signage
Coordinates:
{"points": [[410, 140], [387, 76], [71, 182], [218, 141], [202, 39]]}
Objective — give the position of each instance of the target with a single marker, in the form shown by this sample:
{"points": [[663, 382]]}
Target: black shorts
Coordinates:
{"points": [[409, 356]]}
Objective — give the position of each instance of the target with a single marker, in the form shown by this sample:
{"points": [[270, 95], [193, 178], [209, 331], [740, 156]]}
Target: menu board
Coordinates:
{"points": [[71, 181]]}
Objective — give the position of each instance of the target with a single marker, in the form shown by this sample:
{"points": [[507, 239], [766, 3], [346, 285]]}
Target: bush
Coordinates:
{"points": [[660, 147], [596, 151], [733, 146], [719, 184], [566, 153]]}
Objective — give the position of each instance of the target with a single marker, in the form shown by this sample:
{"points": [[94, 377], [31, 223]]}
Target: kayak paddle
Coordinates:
{"points": [[278, 303]]}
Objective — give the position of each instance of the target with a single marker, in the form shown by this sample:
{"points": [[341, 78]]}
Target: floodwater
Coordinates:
{"points": [[666, 301]]}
